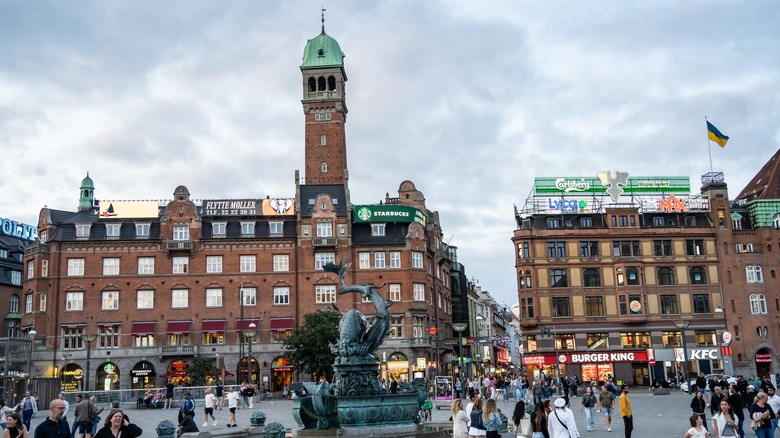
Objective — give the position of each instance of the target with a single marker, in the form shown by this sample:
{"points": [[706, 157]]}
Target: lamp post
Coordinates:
{"points": [[459, 327], [550, 331], [682, 325], [479, 319], [250, 333], [31, 334], [88, 339]]}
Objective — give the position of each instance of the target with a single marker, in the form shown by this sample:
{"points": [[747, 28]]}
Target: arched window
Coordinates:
{"points": [[331, 83], [758, 304], [323, 140], [321, 84], [698, 275], [324, 167], [559, 278], [633, 276], [320, 53], [13, 304], [312, 85], [666, 276], [776, 221], [754, 274], [591, 277]]}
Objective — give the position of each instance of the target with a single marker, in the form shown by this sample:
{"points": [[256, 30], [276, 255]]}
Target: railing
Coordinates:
{"points": [[178, 349], [34, 248], [179, 245], [323, 241]]}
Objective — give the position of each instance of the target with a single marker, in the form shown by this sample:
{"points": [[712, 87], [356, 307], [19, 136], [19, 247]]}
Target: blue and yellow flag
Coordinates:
{"points": [[716, 135]]}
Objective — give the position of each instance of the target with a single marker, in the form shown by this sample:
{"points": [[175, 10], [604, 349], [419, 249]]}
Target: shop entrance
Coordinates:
{"points": [[763, 362], [641, 374]]}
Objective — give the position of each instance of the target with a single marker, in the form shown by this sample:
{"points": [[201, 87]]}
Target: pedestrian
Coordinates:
{"points": [[117, 425], [460, 421], [491, 419], [606, 405], [15, 428], [523, 427], [233, 398], [589, 406], [738, 406], [476, 425], [61, 396], [208, 410], [560, 422], [4, 411], [724, 423], [188, 405], [169, 395], [29, 407], [250, 395], [698, 405], [85, 413], [53, 426], [537, 390], [773, 401], [697, 429], [539, 422], [187, 424], [715, 399], [219, 395], [625, 411], [761, 415], [74, 425], [96, 416]]}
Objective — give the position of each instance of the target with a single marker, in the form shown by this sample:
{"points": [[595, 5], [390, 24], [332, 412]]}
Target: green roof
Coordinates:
{"points": [[87, 183], [322, 51]]}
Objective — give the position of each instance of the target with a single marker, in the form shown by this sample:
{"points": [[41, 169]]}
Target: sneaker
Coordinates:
{"points": [[609, 430], [205, 424], [215, 423]]}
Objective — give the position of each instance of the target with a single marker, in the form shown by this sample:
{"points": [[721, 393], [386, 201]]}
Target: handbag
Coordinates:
{"points": [[524, 429]]}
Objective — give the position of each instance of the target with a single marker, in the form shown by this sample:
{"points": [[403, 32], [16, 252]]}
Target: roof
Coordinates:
{"points": [[322, 51], [337, 193], [765, 184]]}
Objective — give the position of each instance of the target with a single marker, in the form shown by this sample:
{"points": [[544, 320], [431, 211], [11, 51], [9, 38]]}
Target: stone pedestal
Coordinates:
{"points": [[356, 376]]}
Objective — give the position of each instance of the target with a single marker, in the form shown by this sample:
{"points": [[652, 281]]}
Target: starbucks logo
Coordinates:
{"points": [[364, 213]]}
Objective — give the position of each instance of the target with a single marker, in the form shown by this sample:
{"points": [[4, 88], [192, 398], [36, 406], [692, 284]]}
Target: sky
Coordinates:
{"points": [[469, 100]]}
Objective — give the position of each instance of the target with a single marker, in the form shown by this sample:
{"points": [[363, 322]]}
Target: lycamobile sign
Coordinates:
{"points": [[388, 213]]}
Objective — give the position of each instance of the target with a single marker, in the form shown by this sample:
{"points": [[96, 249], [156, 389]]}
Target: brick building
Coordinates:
{"points": [[125, 293]]}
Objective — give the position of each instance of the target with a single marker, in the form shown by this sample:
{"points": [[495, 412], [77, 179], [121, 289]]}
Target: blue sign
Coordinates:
{"points": [[16, 229], [566, 205]]}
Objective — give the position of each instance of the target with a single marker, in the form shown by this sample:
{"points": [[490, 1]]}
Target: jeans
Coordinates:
{"points": [[741, 430], [537, 398], [589, 421], [27, 418], [764, 433]]}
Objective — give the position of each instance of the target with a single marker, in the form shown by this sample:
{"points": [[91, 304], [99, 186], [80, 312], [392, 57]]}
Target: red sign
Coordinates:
{"points": [[725, 351], [538, 359], [652, 363], [761, 358], [433, 330], [602, 357]]}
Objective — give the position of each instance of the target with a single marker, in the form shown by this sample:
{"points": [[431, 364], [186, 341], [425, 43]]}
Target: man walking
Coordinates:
{"points": [[85, 412], [560, 422], [168, 395], [625, 411], [53, 426], [220, 399], [208, 410], [75, 424], [29, 408], [234, 404], [607, 403]]}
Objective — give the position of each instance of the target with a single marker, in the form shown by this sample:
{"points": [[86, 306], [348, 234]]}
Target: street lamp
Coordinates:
{"points": [[550, 331], [682, 325], [88, 339], [250, 333], [31, 334], [459, 327]]}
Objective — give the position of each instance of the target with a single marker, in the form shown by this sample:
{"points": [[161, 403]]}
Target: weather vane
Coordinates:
{"points": [[323, 18]]}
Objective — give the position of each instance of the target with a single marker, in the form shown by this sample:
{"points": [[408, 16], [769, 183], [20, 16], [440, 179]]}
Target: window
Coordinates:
{"points": [[16, 278], [324, 229], [560, 307], [758, 304], [28, 303], [666, 276], [631, 304], [395, 259], [527, 307], [71, 338], [417, 260], [13, 304], [694, 247], [377, 229], [690, 221], [108, 336], [776, 221], [671, 339], [42, 236], [180, 298], [110, 300], [706, 338], [342, 229], [112, 230], [323, 258], [586, 222], [247, 228], [212, 338], [82, 231], [559, 278], [31, 269], [565, 342], [305, 230], [701, 303], [213, 264], [419, 292], [276, 228], [144, 299], [396, 327], [74, 301], [736, 224], [249, 296], [41, 302], [669, 305], [111, 266], [3, 253], [247, 263], [614, 220], [623, 221], [697, 275], [553, 222], [589, 248], [594, 306], [181, 232], [145, 265], [181, 265], [325, 294], [323, 139], [324, 167], [635, 339], [282, 263], [532, 345], [744, 247], [556, 249], [218, 229], [662, 248], [44, 268], [395, 292], [364, 260], [418, 324], [75, 267], [523, 251], [753, 272], [379, 260], [625, 248], [142, 230], [281, 295], [658, 221], [591, 277], [598, 341], [214, 297], [633, 276]]}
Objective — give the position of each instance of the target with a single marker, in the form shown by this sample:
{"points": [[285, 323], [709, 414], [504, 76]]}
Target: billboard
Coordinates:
{"points": [[128, 209], [17, 229], [642, 185], [388, 213], [249, 207], [279, 207]]}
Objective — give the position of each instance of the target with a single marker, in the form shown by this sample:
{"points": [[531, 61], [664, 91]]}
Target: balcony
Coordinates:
{"points": [[323, 242], [529, 322], [179, 246], [34, 248], [179, 350]]}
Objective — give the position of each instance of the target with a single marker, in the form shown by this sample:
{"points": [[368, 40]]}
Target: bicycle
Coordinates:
{"points": [[268, 396]]}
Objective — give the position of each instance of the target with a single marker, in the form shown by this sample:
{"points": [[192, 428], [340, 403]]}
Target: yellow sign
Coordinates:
{"points": [[279, 207], [128, 210], [420, 362]]}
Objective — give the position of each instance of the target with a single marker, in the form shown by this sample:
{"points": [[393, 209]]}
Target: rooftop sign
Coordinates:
{"points": [[128, 209], [388, 213], [17, 229], [644, 185], [249, 207]]}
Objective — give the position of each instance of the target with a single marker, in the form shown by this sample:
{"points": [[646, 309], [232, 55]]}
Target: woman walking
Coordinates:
{"points": [[724, 423], [523, 427], [491, 419], [762, 415], [539, 422], [476, 426], [460, 421], [698, 405], [589, 406]]}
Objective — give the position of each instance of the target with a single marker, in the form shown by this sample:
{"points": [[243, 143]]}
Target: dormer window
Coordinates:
{"points": [[142, 230], [320, 53], [112, 230], [218, 229], [82, 231]]}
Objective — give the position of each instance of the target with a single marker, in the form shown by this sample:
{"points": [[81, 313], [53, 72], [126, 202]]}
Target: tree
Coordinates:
{"points": [[199, 368], [309, 346]]}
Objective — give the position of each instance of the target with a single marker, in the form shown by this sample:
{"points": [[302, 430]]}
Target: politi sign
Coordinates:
{"points": [[17, 229]]}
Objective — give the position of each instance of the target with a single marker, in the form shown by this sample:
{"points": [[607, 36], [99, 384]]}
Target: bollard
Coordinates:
{"points": [[166, 429], [257, 419], [274, 430]]}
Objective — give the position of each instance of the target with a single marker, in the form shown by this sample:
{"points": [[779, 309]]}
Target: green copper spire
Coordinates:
{"points": [[87, 191], [322, 51]]}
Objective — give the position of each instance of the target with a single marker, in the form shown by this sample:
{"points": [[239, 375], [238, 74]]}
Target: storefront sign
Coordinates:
{"points": [[763, 357], [566, 205], [141, 373], [536, 360], [726, 338], [16, 229], [704, 353], [604, 357], [388, 213]]}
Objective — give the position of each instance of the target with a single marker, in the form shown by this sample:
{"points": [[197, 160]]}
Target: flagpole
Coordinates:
{"points": [[709, 144]]}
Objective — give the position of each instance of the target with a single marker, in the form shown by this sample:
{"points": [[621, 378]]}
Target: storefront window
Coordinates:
{"points": [[107, 377], [598, 341], [706, 337], [596, 372], [635, 339], [671, 339], [564, 342], [532, 344], [142, 375]]}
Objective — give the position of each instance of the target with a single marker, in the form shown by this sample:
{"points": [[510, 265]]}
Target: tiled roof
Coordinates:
{"points": [[765, 184]]}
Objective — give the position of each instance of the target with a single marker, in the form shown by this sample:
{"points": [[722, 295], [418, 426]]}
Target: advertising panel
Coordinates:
{"points": [[388, 213], [444, 388], [574, 186], [279, 207], [128, 209], [17, 229], [249, 207]]}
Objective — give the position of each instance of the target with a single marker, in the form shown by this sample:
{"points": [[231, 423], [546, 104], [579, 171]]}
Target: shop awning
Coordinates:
{"points": [[213, 326], [178, 327], [282, 324], [143, 328], [243, 324]]}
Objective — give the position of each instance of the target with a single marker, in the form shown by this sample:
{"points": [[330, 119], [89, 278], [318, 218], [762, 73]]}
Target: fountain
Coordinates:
{"points": [[354, 405]]}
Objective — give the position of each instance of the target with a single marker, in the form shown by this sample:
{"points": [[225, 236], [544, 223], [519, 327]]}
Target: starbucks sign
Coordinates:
{"points": [[388, 213]]}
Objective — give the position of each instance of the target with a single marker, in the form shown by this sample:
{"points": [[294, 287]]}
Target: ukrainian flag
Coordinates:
{"points": [[716, 136]]}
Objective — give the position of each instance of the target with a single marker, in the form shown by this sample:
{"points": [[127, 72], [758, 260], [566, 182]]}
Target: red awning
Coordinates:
{"points": [[143, 328], [179, 326], [243, 324], [213, 326], [282, 324]]}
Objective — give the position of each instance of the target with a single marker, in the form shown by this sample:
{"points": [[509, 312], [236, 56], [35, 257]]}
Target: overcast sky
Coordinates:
{"points": [[470, 100]]}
